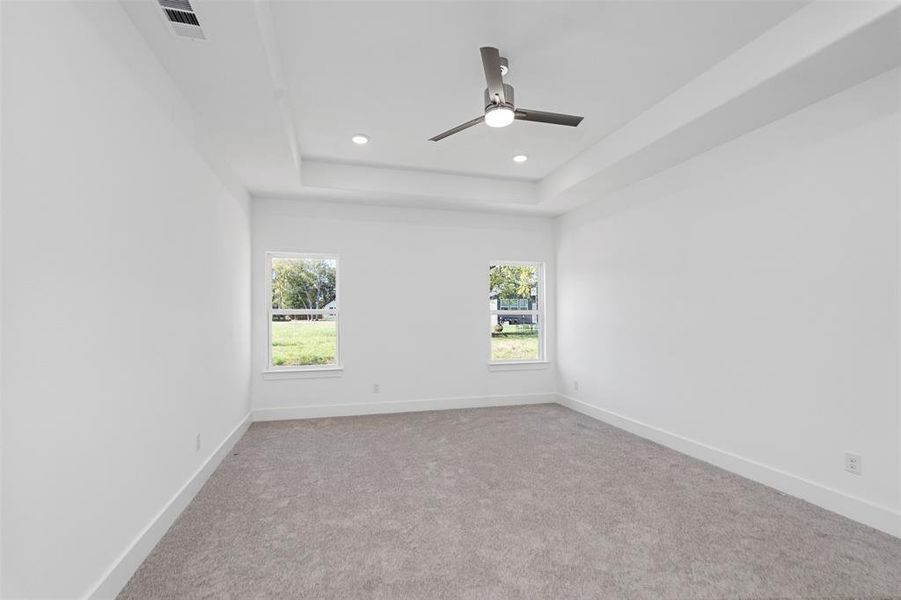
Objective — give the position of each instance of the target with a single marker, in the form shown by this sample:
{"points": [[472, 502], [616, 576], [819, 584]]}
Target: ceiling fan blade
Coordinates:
{"points": [[539, 116], [491, 60], [457, 129]]}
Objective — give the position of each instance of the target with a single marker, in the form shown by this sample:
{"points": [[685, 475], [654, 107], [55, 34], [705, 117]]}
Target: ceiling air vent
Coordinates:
{"points": [[182, 18]]}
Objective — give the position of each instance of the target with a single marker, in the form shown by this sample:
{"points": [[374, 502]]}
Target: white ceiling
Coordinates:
{"points": [[402, 72]]}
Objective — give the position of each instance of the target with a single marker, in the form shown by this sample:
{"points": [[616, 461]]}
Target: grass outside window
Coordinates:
{"points": [[304, 343], [515, 342]]}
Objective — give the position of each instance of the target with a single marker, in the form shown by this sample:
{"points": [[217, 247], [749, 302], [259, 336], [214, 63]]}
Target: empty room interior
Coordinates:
{"points": [[450, 300]]}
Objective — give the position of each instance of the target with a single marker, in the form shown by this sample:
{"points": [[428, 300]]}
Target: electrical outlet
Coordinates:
{"points": [[376, 388], [576, 385], [853, 463], [197, 443]]}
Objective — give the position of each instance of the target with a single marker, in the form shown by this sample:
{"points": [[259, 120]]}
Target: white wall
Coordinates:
{"points": [[414, 310], [126, 301], [748, 300]]}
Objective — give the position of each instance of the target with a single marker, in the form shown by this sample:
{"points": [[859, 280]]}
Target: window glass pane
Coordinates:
{"points": [[303, 340], [514, 337], [304, 283], [513, 287]]}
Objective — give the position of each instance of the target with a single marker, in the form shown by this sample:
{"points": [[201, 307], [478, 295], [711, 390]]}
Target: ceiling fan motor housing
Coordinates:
{"points": [[508, 92]]}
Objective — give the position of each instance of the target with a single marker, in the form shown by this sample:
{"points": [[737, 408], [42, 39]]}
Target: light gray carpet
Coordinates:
{"points": [[515, 502]]}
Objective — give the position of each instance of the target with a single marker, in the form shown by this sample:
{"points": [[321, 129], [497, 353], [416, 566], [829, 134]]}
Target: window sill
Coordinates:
{"points": [[313, 373], [520, 365]]}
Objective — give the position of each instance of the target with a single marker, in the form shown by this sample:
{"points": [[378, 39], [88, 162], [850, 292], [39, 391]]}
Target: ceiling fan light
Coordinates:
{"points": [[499, 116]]}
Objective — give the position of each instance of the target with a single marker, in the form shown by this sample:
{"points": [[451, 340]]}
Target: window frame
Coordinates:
{"points": [[336, 366], [539, 314]]}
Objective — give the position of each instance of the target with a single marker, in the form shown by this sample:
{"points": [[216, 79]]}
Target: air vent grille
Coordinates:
{"points": [[182, 18]]}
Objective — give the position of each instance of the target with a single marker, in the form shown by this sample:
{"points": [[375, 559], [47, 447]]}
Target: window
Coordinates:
{"points": [[516, 305], [303, 312]]}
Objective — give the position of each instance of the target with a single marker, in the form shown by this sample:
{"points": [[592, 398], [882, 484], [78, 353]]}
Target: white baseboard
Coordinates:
{"points": [[118, 574], [876, 516], [371, 408]]}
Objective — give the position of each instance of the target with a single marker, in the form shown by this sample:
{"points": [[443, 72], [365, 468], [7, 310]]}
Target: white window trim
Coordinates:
{"points": [[518, 364], [319, 372], [287, 372]]}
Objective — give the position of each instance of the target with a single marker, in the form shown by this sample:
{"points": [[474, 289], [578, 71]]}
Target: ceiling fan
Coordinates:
{"points": [[499, 108]]}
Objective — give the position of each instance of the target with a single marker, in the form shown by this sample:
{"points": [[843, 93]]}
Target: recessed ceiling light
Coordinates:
{"points": [[360, 139], [520, 158]]}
